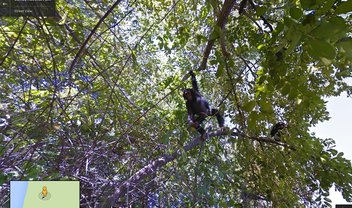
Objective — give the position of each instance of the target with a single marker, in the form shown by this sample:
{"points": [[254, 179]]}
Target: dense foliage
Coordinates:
{"points": [[94, 94]]}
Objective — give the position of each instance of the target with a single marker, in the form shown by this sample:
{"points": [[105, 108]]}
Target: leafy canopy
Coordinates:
{"points": [[94, 94]]}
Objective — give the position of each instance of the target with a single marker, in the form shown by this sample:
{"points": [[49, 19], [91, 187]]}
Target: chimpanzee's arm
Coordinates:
{"points": [[194, 81]]}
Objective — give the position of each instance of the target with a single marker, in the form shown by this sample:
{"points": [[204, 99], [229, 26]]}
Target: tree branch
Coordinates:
{"points": [[153, 166], [90, 36], [14, 43], [261, 16], [222, 19]]}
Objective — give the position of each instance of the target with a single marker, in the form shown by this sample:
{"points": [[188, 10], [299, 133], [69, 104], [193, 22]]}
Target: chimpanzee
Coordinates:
{"points": [[275, 130], [197, 105]]}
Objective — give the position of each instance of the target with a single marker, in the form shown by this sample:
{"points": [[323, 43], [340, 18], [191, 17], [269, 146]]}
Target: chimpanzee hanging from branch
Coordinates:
{"points": [[198, 108]]}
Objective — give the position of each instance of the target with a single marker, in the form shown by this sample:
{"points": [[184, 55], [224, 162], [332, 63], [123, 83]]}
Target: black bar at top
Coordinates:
{"points": [[34, 8]]}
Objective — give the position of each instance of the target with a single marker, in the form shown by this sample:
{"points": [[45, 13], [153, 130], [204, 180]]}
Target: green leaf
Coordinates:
{"points": [[63, 19], [327, 199], [200, 38], [296, 13], [249, 106], [215, 33], [340, 154], [344, 7], [265, 106], [161, 45], [220, 71], [3, 178], [327, 6], [260, 10], [286, 89], [213, 62], [330, 29], [321, 49], [252, 119], [306, 4], [346, 45], [134, 56], [165, 139]]}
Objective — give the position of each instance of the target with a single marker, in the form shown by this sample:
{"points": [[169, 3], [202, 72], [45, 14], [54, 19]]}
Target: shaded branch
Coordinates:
{"points": [[262, 139], [261, 16], [14, 43], [90, 36], [222, 19]]}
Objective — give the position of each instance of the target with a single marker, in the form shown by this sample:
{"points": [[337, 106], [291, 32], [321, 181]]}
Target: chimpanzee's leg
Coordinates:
{"points": [[200, 129], [215, 112]]}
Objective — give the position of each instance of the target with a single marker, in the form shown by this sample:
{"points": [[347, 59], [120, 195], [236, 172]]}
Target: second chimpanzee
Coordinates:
{"points": [[275, 130], [198, 108]]}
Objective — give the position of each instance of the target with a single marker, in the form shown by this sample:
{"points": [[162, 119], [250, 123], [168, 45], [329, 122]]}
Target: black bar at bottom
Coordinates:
{"points": [[343, 206]]}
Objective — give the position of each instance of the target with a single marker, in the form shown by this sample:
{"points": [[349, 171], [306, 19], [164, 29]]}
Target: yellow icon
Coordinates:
{"points": [[44, 192]]}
